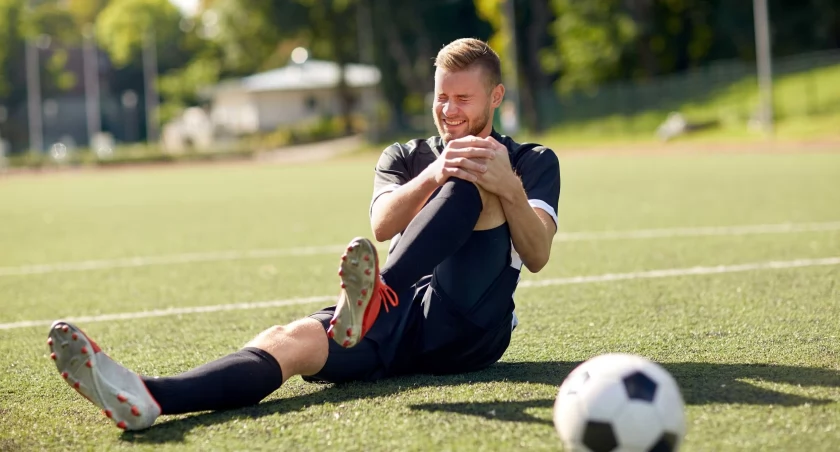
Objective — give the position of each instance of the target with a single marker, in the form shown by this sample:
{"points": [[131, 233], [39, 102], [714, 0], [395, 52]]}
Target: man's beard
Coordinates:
{"points": [[473, 127]]}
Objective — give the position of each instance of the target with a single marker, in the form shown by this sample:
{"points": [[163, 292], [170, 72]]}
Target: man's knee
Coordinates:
{"points": [[299, 347], [492, 213]]}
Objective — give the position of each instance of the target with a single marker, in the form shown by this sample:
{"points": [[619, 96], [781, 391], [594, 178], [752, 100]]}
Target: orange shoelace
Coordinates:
{"points": [[388, 295]]}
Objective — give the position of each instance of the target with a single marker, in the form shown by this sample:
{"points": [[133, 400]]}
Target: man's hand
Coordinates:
{"points": [[465, 158], [499, 177]]}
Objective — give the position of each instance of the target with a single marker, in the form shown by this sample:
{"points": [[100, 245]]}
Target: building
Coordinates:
{"points": [[294, 94]]}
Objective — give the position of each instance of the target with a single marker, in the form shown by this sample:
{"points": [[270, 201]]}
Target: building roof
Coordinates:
{"points": [[312, 74]]}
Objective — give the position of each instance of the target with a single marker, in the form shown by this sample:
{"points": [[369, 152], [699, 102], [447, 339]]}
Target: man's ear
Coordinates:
{"points": [[497, 95]]}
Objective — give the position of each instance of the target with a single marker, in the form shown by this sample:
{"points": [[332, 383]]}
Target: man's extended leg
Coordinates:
{"points": [[240, 379]]}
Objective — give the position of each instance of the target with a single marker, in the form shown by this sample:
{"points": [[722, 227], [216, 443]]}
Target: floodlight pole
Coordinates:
{"points": [[763, 59], [33, 93], [364, 22], [150, 84], [91, 70], [512, 82]]}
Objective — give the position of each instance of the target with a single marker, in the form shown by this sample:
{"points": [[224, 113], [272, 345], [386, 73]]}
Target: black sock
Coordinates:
{"points": [[237, 380], [441, 227]]}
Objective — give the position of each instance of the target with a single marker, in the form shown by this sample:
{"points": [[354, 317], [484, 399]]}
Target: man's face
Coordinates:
{"points": [[464, 103]]}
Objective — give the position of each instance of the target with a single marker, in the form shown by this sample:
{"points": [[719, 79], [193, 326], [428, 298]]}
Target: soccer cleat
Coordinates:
{"points": [[362, 296], [118, 392]]}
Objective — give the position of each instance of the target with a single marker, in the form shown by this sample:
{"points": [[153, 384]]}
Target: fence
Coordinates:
{"points": [[722, 91]]}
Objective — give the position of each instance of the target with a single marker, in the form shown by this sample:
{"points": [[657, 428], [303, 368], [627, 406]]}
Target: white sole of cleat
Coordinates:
{"points": [[118, 392], [358, 277]]}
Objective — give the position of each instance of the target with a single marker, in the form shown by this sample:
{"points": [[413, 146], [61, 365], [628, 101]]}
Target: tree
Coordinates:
{"points": [[122, 27], [11, 44], [590, 39]]}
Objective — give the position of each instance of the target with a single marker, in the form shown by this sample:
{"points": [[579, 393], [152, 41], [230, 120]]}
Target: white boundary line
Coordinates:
{"points": [[218, 256], [691, 271]]}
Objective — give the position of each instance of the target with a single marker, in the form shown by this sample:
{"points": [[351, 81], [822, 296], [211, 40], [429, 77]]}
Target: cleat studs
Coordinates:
{"points": [[89, 364], [107, 413], [64, 375], [135, 411], [52, 356], [350, 248], [367, 257], [343, 257], [340, 272], [330, 333], [332, 321], [359, 303], [121, 424], [367, 271], [84, 350], [65, 328], [343, 286], [75, 337], [121, 398], [76, 385], [349, 332], [364, 292], [346, 344], [49, 341]]}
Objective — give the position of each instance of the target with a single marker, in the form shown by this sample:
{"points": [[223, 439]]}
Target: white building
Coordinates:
{"points": [[289, 95]]}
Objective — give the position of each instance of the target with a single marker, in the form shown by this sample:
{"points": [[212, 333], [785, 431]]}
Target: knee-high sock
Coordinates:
{"points": [[237, 380], [437, 232]]}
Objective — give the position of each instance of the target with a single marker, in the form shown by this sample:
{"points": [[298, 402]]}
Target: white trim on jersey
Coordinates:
{"points": [[515, 260], [540, 204], [380, 192]]}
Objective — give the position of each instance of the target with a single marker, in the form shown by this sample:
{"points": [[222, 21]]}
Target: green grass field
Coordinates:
{"points": [[756, 352]]}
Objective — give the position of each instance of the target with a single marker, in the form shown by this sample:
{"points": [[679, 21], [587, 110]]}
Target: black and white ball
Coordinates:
{"points": [[620, 403]]}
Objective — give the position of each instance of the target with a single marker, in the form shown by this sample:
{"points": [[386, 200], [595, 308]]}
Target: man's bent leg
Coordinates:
{"points": [[468, 304], [437, 232]]}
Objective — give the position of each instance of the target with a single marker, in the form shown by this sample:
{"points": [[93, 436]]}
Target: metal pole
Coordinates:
{"points": [[512, 83], [364, 22], [150, 84], [33, 95], [91, 65], [765, 71]]}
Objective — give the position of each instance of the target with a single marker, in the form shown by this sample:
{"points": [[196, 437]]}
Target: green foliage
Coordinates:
{"points": [[179, 87], [53, 20], [10, 37], [590, 39], [122, 27], [85, 11], [64, 80], [324, 128], [248, 34]]}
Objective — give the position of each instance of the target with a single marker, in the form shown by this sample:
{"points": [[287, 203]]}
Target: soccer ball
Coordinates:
{"points": [[620, 403]]}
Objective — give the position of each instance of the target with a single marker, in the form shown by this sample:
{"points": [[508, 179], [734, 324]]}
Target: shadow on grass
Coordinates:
{"points": [[701, 383]]}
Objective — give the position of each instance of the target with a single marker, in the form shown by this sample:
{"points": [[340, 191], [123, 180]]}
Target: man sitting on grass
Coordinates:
{"points": [[463, 210]]}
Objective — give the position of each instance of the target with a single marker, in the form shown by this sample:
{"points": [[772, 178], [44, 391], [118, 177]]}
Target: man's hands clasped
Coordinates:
{"points": [[483, 161]]}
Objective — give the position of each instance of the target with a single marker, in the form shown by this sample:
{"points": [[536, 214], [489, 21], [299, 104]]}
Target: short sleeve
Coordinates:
{"points": [[539, 170], [390, 173]]}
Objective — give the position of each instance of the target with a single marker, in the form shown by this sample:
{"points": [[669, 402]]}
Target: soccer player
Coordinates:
{"points": [[464, 211]]}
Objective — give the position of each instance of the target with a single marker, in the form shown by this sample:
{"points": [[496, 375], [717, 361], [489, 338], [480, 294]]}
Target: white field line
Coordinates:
{"points": [[218, 256], [691, 271]]}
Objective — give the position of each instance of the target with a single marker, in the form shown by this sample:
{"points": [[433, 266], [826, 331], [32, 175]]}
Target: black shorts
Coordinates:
{"points": [[450, 338]]}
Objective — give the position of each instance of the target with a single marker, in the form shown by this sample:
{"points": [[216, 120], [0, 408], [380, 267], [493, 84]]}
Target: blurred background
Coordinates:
{"points": [[99, 81]]}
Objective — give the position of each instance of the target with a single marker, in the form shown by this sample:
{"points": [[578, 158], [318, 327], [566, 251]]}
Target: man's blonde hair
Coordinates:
{"points": [[466, 53]]}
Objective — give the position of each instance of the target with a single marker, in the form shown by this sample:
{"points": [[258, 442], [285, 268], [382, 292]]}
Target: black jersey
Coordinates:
{"points": [[536, 165]]}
